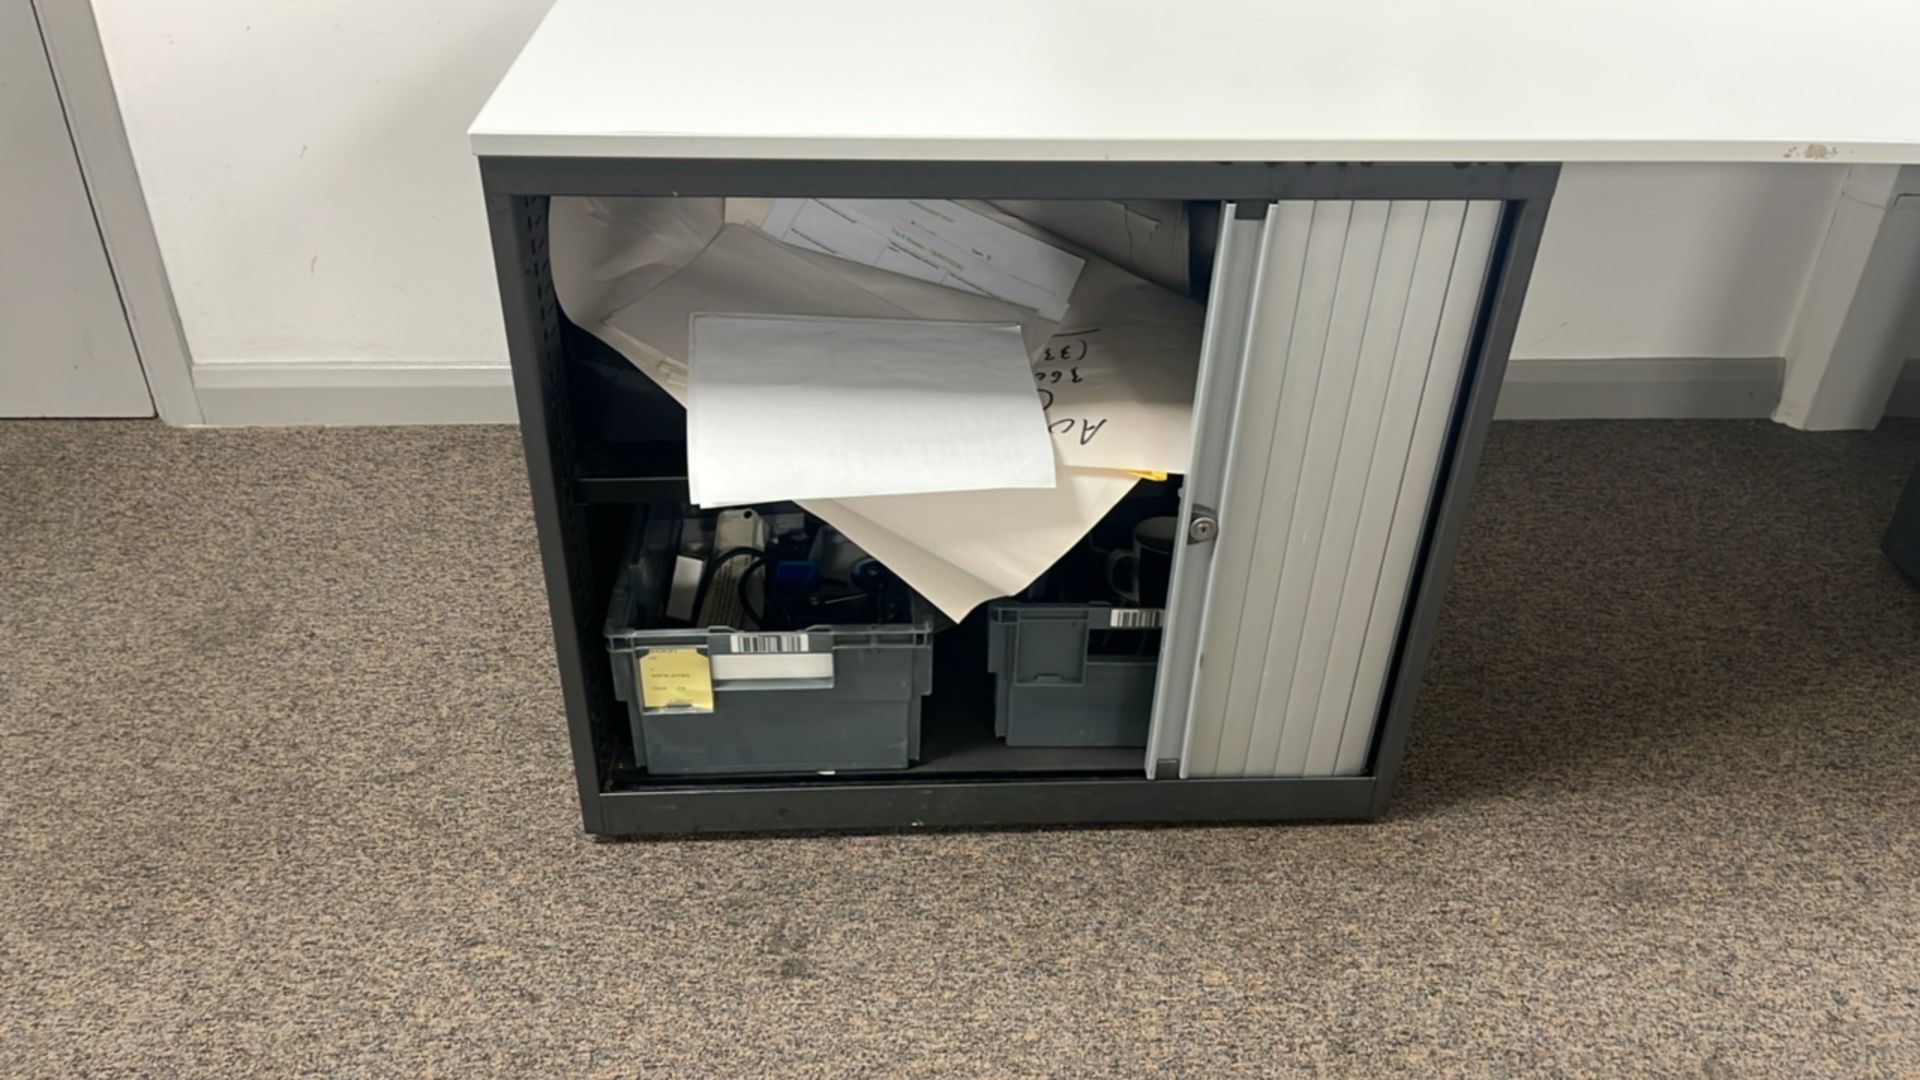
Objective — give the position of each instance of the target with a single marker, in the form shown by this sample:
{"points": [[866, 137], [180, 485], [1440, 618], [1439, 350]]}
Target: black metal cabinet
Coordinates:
{"points": [[600, 439]]}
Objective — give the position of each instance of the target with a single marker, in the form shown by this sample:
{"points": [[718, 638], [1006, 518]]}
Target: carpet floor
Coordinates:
{"points": [[286, 791]]}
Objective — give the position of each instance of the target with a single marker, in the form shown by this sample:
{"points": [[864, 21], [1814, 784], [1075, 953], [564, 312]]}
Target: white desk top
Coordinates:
{"points": [[1215, 80]]}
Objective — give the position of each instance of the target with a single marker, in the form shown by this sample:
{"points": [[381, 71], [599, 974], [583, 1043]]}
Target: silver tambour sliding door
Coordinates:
{"points": [[1326, 395]]}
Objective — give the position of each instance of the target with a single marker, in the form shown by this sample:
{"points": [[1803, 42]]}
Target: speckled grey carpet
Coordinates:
{"points": [[285, 791]]}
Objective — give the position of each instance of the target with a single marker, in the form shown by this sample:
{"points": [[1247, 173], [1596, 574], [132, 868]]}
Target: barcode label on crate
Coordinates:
{"points": [[1135, 618], [763, 644]]}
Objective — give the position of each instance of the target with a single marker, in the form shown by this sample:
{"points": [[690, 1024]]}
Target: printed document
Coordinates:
{"points": [[782, 408]]}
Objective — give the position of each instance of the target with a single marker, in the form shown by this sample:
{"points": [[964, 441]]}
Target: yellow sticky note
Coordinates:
{"points": [[675, 679], [1146, 474]]}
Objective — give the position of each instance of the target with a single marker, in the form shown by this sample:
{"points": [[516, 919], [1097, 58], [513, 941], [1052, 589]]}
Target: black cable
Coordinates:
{"points": [[758, 619], [706, 576]]}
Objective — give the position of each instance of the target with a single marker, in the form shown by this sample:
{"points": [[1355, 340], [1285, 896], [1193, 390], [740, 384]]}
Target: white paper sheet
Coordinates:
{"points": [[782, 408], [932, 240], [958, 550], [744, 272], [990, 543], [1132, 405], [1146, 237], [1117, 380]]}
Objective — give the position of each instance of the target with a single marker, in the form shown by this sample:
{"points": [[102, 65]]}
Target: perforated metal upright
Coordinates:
{"points": [[1440, 250]]}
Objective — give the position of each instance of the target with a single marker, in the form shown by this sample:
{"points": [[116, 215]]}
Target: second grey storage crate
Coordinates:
{"points": [[1072, 674], [826, 698]]}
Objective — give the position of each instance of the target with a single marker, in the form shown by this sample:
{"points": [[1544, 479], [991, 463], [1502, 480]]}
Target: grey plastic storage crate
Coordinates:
{"points": [[1053, 688], [827, 698]]}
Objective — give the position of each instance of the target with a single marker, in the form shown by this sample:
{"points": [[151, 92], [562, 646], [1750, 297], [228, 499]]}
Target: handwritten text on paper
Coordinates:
{"points": [[1058, 373]]}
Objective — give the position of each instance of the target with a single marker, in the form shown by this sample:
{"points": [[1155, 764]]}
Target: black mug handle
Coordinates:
{"points": [[1123, 575]]}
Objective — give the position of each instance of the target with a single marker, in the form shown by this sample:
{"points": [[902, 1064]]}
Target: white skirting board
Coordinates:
{"points": [[1700, 388], [350, 393], [366, 393]]}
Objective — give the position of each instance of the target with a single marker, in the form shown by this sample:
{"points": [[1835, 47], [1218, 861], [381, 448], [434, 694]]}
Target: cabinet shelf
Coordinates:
{"points": [[622, 472]]}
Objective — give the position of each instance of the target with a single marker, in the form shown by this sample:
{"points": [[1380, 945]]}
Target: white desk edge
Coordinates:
{"points": [[1223, 80]]}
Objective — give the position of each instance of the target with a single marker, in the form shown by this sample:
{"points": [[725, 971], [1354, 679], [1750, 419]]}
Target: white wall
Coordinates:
{"points": [[308, 172], [1645, 261], [307, 169]]}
